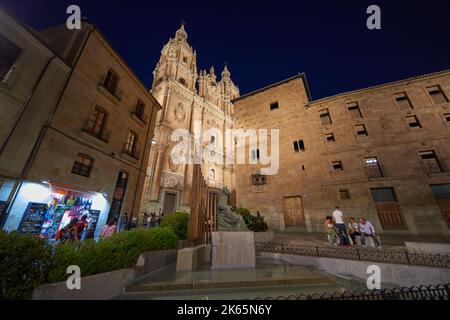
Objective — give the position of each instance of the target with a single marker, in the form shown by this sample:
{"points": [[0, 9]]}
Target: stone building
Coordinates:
{"points": [[381, 153], [195, 102], [91, 150]]}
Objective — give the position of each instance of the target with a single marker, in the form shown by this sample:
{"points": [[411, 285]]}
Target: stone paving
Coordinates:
{"points": [[393, 242]]}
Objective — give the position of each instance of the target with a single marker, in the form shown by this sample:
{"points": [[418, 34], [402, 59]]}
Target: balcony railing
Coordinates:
{"points": [[102, 135], [373, 172], [431, 166]]}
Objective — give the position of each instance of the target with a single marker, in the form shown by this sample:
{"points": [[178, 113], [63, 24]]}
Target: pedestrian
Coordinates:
{"points": [[368, 231], [133, 223], [152, 220], [353, 230], [124, 222], [82, 228], [145, 220], [109, 229], [338, 217]]}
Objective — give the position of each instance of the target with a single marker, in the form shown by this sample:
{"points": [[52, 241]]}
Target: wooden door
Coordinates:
{"points": [[444, 206], [169, 203], [390, 215], [293, 211]]}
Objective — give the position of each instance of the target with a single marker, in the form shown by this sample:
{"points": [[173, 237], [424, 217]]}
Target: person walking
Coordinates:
{"points": [[109, 229], [124, 222], [145, 220], [338, 218]]}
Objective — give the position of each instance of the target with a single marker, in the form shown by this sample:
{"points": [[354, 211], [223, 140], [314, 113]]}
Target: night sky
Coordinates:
{"points": [[267, 41]]}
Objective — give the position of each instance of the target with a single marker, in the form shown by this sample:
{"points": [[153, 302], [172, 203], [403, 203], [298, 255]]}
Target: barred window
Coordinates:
{"points": [[437, 95], [299, 146], [413, 122], [354, 110], [344, 194], [325, 117], [259, 180], [403, 101]]}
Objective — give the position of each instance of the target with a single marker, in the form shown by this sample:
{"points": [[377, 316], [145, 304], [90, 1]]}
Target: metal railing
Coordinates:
{"points": [[438, 292], [359, 254]]}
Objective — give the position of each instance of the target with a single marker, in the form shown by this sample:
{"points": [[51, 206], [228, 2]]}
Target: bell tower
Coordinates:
{"points": [[178, 62]]}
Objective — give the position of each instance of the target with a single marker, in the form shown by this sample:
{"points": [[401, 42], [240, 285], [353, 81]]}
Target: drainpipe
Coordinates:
{"points": [[44, 130]]}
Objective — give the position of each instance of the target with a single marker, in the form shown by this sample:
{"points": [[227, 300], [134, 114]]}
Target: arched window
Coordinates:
{"points": [[212, 174], [82, 165]]}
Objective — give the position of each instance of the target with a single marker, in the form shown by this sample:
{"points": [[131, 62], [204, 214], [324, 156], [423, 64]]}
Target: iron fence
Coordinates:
{"points": [[432, 292], [359, 254]]}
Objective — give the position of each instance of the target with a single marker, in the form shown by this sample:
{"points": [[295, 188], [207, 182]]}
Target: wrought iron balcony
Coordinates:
{"points": [[101, 134]]}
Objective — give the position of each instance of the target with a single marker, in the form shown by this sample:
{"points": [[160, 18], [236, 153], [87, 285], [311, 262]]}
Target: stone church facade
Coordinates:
{"points": [[191, 100]]}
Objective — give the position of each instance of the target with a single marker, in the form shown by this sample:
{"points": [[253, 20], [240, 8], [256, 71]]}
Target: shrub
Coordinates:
{"points": [[179, 222], [24, 263], [254, 223], [118, 252], [244, 212]]}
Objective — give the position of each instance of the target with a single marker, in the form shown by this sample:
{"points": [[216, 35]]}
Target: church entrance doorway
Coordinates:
{"points": [[170, 200]]}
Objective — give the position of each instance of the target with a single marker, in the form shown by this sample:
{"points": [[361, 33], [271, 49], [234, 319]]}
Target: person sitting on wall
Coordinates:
{"points": [[367, 229], [330, 228], [353, 230]]}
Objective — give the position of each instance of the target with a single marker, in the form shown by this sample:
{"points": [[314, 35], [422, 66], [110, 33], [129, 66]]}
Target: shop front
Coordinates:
{"points": [[42, 210]]}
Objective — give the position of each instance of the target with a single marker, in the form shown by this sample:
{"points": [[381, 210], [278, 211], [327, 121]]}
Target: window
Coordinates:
{"points": [[111, 82], [325, 117], [299, 146], [82, 165], [447, 118], [95, 125], [429, 161], [441, 193], [330, 137], [9, 53], [383, 195], [259, 180], [255, 154], [274, 106], [140, 109], [372, 168], [344, 194], [361, 130], [212, 174], [437, 95], [354, 110], [403, 101], [185, 59], [182, 81], [337, 166], [413, 122], [130, 146]]}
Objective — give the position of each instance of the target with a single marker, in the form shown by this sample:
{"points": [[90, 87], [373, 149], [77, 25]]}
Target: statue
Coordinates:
{"points": [[227, 218]]}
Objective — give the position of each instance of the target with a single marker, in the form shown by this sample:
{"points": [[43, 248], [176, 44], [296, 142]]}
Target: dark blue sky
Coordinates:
{"points": [[267, 41]]}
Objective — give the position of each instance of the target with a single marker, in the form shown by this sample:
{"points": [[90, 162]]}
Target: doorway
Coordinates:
{"points": [[169, 203], [293, 211]]}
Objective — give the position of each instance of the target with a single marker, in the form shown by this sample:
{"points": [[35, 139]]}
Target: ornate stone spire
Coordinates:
{"points": [[226, 73], [181, 33]]}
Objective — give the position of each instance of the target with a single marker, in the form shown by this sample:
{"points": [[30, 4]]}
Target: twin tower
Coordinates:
{"points": [[187, 97]]}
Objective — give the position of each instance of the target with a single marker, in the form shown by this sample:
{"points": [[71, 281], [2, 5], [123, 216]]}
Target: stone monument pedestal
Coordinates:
{"points": [[233, 250]]}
